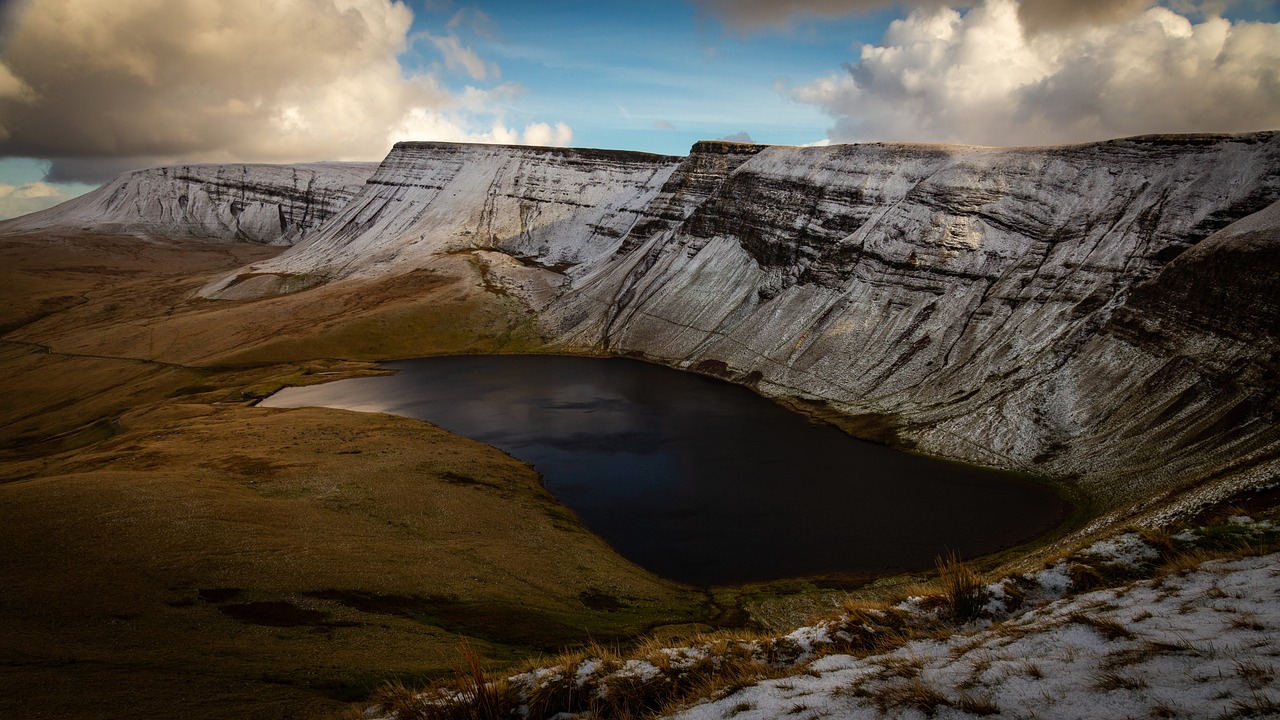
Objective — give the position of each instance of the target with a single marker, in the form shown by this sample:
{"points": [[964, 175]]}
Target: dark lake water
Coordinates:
{"points": [[702, 481]]}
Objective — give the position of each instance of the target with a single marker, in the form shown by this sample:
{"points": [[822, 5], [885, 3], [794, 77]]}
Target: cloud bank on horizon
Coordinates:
{"points": [[991, 77], [95, 87]]}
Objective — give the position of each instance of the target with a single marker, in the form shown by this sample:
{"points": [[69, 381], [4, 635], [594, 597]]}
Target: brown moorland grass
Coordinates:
{"points": [[170, 549]]}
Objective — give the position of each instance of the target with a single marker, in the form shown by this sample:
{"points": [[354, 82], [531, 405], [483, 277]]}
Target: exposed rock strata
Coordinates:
{"points": [[268, 204], [975, 302]]}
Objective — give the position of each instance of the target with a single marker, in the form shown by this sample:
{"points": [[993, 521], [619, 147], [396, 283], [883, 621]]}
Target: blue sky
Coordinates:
{"points": [[90, 88], [655, 76]]}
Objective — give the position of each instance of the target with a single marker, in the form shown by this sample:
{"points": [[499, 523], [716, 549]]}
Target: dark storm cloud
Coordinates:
{"points": [[100, 86]]}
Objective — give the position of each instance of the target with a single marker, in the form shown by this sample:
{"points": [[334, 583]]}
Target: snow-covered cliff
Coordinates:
{"points": [[272, 204], [1088, 312], [967, 300], [548, 208]]}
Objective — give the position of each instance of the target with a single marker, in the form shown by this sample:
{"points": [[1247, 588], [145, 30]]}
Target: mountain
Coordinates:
{"points": [[548, 208], [1097, 313], [268, 204], [1101, 314], [1033, 309]]}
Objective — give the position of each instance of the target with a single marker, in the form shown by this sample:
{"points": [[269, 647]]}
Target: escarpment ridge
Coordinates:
{"points": [[266, 204], [1103, 314], [975, 302]]}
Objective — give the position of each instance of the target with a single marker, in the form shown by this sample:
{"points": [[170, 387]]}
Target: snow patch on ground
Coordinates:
{"points": [[1204, 644]]}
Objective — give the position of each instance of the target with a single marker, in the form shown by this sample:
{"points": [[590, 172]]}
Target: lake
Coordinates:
{"points": [[702, 481]]}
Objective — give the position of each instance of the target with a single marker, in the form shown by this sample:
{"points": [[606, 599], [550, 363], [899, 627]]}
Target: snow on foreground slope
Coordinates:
{"points": [[269, 204], [1202, 645], [1198, 639]]}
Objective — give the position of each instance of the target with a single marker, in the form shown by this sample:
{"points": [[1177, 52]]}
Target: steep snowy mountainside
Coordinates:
{"points": [[269, 204], [947, 297], [1101, 313], [1187, 372], [547, 208]]}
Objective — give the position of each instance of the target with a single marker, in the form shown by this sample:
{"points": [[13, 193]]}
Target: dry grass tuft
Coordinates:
{"points": [[473, 696], [1108, 680], [1109, 629], [487, 699], [1255, 675], [1186, 562], [962, 588], [975, 705], [913, 694], [1257, 706], [396, 699], [908, 667], [1161, 541], [1085, 577]]}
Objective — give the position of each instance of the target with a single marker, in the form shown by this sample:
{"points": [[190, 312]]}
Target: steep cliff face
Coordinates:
{"points": [[269, 204], [1185, 375], [549, 209], [966, 300]]}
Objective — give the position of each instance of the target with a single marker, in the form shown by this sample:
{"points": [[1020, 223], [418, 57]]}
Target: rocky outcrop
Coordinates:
{"points": [[268, 204], [1185, 375]]}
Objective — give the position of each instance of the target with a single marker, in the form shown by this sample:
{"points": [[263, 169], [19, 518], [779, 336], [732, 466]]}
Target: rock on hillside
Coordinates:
{"points": [[270, 204]]}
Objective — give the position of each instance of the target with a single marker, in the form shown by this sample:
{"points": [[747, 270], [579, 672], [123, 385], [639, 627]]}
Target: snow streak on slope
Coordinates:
{"points": [[270, 204]]}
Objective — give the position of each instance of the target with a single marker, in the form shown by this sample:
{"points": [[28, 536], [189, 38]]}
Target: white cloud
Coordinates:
{"points": [[747, 15], [434, 125], [458, 57], [475, 20], [1035, 15], [544, 134], [940, 76], [127, 83], [12, 87], [18, 200]]}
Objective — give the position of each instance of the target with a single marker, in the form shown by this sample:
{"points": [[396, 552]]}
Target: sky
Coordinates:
{"points": [[91, 88]]}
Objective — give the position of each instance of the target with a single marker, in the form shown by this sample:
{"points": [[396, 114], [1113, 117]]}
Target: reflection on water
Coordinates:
{"points": [[701, 481]]}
